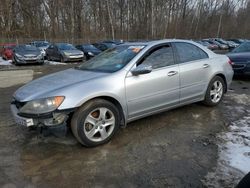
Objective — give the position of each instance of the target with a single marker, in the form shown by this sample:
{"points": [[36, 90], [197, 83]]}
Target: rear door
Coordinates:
{"points": [[159, 89], [194, 67]]}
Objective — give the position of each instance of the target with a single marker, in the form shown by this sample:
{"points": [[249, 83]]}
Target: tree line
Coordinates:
{"points": [[92, 20]]}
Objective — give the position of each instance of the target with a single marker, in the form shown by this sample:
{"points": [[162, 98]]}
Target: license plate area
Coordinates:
{"points": [[21, 120], [24, 121]]}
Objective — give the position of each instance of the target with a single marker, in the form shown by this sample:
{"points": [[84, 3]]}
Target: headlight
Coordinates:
{"points": [[90, 53], [42, 106], [67, 54], [19, 56]]}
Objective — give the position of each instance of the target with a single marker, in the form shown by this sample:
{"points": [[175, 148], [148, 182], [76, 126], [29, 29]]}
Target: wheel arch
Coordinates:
{"points": [[224, 79], [116, 103]]}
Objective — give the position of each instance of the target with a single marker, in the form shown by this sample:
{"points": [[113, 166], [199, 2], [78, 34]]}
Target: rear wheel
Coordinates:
{"points": [[215, 91], [95, 123]]}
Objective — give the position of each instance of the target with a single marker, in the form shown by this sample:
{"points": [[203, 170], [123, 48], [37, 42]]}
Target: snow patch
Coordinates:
{"points": [[236, 147], [54, 63], [5, 62], [240, 98]]}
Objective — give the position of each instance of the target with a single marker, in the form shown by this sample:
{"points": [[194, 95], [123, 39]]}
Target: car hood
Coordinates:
{"points": [[43, 47], [28, 53], [95, 51], [50, 83], [72, 51], [239, 57]]}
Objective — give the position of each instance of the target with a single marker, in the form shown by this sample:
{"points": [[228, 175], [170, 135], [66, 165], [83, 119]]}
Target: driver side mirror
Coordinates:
{"points": [[142, 69]]}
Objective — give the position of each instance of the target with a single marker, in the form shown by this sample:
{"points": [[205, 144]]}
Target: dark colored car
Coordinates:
{"points": [[25, 54], [117, 42], [63, 52], [7, 51], [104, 45], [240, 58], [89, 50]]}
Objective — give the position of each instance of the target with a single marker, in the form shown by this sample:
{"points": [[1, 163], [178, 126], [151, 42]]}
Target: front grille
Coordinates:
{"points": [[18, 104], [30, 56]]}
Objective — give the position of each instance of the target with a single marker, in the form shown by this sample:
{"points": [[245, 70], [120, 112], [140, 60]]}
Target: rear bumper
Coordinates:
{"points": [[241, 68]]}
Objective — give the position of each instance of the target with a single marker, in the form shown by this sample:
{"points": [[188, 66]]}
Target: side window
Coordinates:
{"points": [[189, 52], [159, 57]]}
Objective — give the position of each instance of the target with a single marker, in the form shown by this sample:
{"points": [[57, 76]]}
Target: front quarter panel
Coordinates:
{"points": [[76, 95]]}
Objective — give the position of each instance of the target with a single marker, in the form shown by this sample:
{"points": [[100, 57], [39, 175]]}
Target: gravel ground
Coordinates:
{"points": [[184, 147]]}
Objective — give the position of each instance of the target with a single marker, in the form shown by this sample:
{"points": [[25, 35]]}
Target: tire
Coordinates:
{"points": [[215, 91], [90, 127], [62, 59]]}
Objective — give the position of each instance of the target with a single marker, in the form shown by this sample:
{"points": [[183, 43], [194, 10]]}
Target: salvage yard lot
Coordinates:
{"points": [[185, 147]]}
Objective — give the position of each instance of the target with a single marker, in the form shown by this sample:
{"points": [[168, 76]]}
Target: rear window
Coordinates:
{"points": [[188, 52]]}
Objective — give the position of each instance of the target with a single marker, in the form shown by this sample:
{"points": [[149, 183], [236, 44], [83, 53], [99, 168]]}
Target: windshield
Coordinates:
{"points": [[66, 47], [112, 59], [245, 47], [42, 44], [26, 48], [90, 47]]}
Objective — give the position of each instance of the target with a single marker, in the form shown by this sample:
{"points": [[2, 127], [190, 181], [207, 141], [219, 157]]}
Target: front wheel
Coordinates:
{"points": [[62, 59], [215, 91], [95, 123]]}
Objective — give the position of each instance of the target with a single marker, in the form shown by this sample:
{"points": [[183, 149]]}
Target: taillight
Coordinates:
{"points": [[230, 62]]}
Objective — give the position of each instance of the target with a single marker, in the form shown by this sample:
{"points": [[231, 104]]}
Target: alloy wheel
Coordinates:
{"points": [[99, 124]]}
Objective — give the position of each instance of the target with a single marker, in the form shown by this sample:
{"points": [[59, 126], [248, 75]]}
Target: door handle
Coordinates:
{"points": [[172, 73], [205, 66]]}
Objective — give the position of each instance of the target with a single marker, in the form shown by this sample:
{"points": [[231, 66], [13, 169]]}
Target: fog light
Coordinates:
{"points": [[58, 118]]}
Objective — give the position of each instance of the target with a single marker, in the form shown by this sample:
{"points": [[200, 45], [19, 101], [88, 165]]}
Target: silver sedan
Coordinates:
{"points": [[122, 84]]}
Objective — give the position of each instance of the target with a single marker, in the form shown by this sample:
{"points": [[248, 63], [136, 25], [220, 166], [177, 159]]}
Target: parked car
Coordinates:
{"points": [[26, 54], [221, 41], [221, 46], [122, 84], [232, 44], [7, 50], [42, 45], [238, 41], [89, 50], [116, 42], [104, 45], [208, 45], [240, 58], [64, 52]]}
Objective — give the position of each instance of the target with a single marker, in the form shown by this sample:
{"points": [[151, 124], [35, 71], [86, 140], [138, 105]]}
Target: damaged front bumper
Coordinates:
{"points": [[52, 119]]}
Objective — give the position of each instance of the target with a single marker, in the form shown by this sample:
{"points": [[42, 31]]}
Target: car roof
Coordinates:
{"points": [[155, 42], [61, 43]]}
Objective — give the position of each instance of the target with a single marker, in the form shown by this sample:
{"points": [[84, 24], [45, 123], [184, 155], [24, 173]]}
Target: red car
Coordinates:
{"points": [[6, 50]]}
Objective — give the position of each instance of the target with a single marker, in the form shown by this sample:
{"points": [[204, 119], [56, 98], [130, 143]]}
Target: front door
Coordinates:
{"points": [[159, 89]]}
